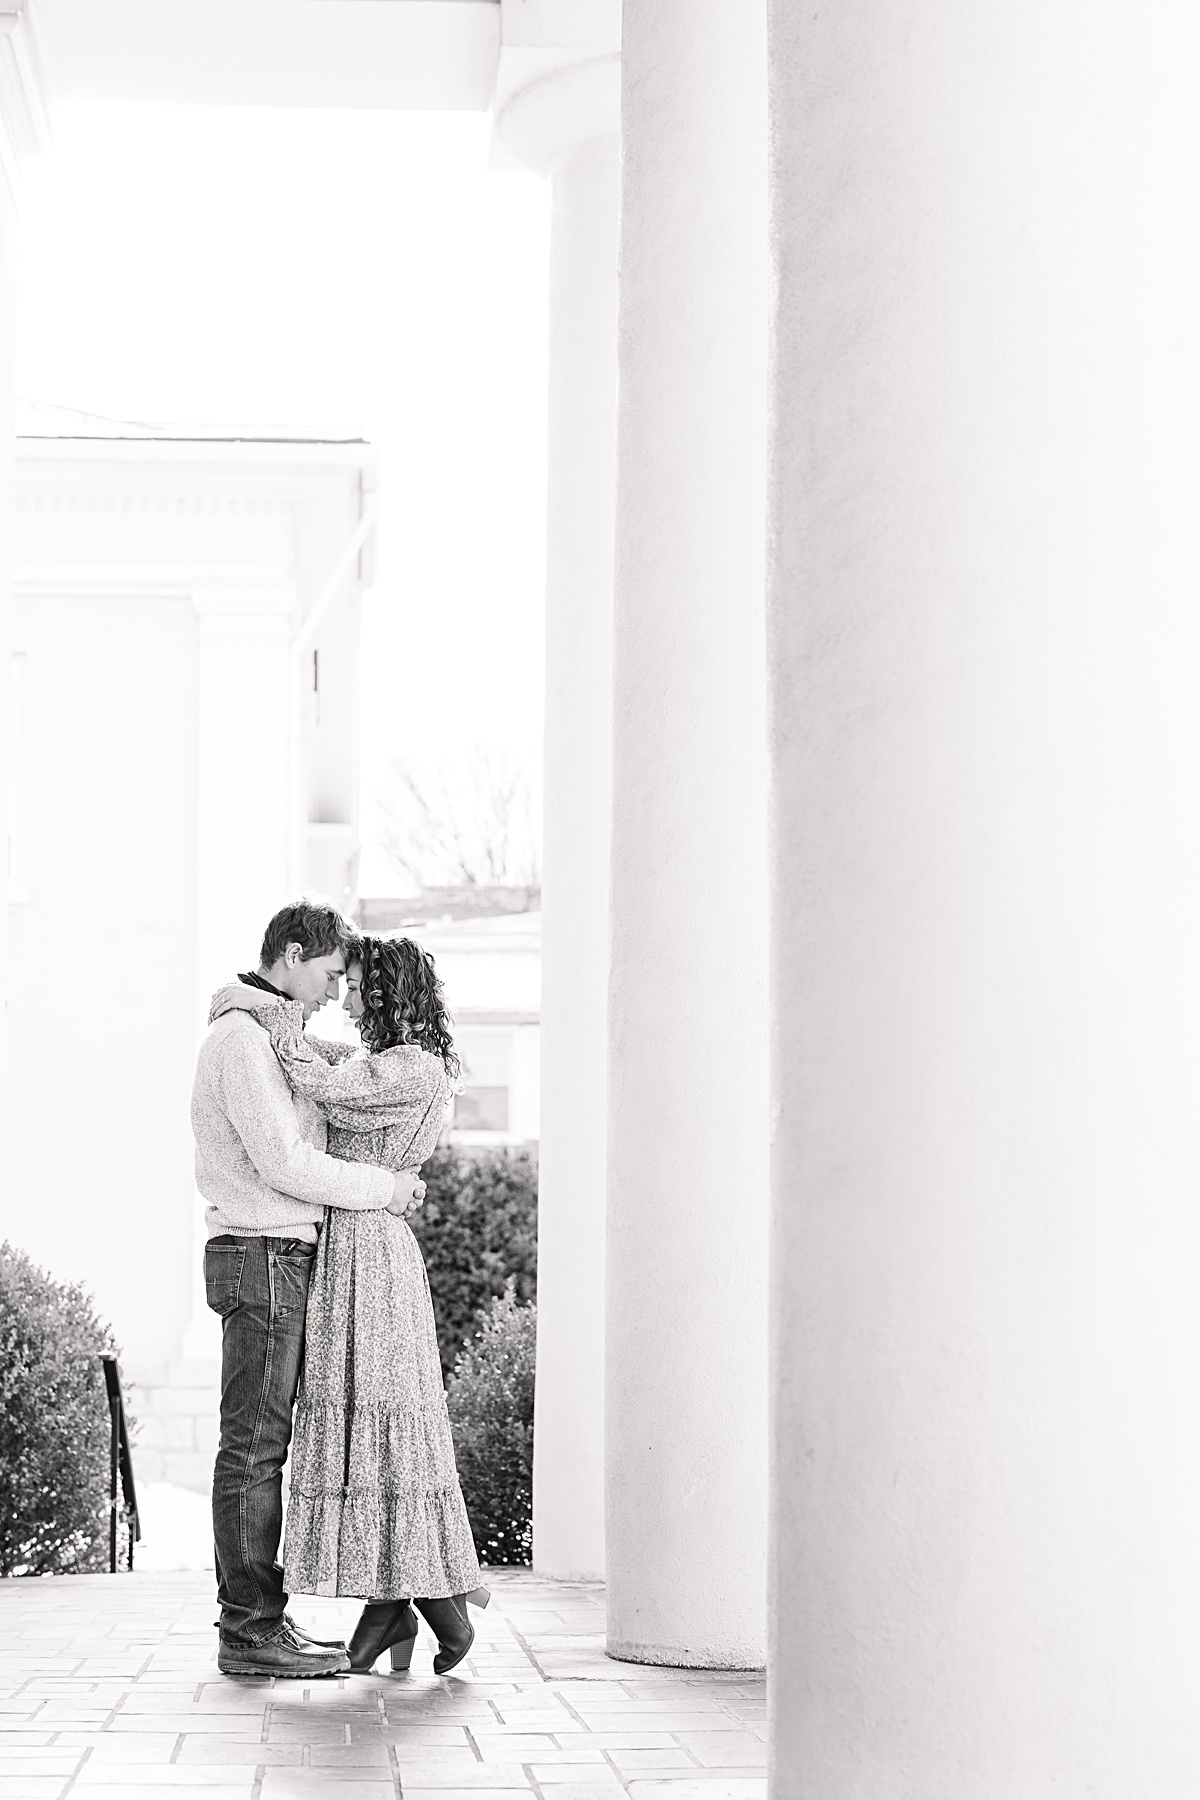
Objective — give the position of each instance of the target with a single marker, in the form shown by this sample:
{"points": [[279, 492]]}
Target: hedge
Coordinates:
{"points": [[477, 1231], [54, 1424], [490, 1400]]}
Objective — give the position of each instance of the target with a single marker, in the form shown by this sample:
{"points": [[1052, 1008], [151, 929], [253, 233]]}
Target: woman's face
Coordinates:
{"points": [[352, 1004]]}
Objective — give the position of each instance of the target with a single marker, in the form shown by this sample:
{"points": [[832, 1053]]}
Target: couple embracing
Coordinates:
{"points": [[307, 1153]]}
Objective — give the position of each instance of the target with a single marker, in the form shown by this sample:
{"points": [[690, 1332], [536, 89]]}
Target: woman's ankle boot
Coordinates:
{"points": [[383, 1625], [451, 1626]]}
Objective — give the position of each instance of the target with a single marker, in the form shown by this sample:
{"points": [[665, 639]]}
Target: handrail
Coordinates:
{"points": [[120, 1466]]}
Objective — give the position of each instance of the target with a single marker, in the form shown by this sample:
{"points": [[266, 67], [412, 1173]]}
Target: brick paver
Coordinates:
{"points": [[109, 1691]]}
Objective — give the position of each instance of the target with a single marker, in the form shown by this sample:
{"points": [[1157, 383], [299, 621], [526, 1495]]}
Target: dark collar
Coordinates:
{"points": [[256, 981]]}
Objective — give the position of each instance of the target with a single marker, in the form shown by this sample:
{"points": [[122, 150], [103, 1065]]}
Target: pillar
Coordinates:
{"points": [[10, 750], [686, 1361], [244, 818], [564, 124], [984, 647], [24, 129]]}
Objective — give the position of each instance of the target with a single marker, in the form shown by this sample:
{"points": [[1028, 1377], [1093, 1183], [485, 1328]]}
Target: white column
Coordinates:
{"points": [[244, 811], [244, 804], [985, 634], [9, 751], [24, 129], [686, 1435], [565, 125]]}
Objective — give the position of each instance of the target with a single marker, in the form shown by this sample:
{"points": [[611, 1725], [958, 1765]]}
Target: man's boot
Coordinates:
{"points": [[284, 1654]]}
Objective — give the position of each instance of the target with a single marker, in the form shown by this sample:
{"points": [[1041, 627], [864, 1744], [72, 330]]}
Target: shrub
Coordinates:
{"points": [[490, 1398], [54, 1424], [477, 1230]]}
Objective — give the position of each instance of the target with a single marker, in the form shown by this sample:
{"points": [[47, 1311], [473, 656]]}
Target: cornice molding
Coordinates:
{"points": [[166, 504], [24, 109], [120, 578]]}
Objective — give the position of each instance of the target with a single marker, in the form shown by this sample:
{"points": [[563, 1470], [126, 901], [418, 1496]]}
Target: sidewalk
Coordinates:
{"points": [[109, 1687]]}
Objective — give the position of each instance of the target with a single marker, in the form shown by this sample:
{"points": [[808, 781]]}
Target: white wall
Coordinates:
{"points": [[102, 972], [423, 55], [165, 784]]}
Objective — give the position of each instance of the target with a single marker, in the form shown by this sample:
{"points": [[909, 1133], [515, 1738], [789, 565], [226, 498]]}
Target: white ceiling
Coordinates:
{"points": [[411, 55]]}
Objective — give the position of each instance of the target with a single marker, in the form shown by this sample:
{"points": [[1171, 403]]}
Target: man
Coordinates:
{"points": [[262, 1167]]}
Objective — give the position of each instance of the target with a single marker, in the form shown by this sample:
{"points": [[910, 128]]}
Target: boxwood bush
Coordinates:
{"points": [[490, 1400], [54, 1424], [477, 1231]]}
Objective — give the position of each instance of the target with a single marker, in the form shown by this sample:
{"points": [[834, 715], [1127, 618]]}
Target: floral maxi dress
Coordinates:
{"points": [[375, 1508]]}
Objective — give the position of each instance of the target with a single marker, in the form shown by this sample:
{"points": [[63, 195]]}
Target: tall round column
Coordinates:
{"points": [[24, 129], [9, 751], [686, 1427], [985, 660], [565, 125]]}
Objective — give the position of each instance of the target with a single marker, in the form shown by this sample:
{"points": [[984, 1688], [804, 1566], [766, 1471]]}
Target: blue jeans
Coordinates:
{"points": [[259, 1287]]}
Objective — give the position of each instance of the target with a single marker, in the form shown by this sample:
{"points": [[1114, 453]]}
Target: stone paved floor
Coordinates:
{"points": [[109, 1687]]}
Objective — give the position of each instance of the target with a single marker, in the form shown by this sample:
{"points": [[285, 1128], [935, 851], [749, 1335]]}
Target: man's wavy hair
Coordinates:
{"points": [[315, 925], [403, 1000]]}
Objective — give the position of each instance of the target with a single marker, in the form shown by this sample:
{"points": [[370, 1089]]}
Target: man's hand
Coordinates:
{"points": [[408, 1192]]}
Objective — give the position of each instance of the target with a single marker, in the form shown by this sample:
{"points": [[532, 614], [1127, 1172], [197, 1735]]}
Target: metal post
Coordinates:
{"points": [[121, 1487], [114, 1407]]}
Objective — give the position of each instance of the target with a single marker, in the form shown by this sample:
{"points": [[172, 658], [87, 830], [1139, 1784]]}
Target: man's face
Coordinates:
{"points": [[314, 982]]}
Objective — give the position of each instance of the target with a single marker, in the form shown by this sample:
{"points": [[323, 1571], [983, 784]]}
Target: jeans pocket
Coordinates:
{"points": [[290, 1273], [223, 1264]]}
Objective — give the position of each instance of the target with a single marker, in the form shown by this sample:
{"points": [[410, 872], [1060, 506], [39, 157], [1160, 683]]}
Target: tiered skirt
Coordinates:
{"points": [[375, 1509]]}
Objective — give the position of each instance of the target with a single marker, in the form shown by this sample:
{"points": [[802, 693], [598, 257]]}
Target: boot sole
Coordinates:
{"points": [[320, 1666]]}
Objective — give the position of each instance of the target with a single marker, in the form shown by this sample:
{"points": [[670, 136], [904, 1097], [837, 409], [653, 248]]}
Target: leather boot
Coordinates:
{"points": [[383, 1625], [453, 1629], [284, 1654]]}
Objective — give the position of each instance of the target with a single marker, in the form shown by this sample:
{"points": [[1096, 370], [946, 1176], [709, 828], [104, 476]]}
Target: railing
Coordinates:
{"points": [[120, 1467]]}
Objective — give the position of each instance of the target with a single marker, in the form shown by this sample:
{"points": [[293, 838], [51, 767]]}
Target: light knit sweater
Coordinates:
{"points": [[261, 1162]]}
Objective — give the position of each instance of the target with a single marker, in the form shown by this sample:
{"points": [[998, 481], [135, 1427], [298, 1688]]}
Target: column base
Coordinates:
{"points": [[669, 1656]]}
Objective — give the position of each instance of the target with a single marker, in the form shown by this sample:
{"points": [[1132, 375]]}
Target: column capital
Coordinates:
{"points": [[556, 102], [24, 118]]}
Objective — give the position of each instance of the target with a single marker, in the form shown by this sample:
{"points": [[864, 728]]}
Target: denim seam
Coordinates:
{"points": [[256, 1433]]}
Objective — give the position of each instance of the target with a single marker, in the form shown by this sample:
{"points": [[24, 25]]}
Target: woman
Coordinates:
{"points": [[375, 1508]]}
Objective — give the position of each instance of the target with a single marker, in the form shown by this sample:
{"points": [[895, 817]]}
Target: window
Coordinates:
{"points": [[483, 1105], [481, 1109]]}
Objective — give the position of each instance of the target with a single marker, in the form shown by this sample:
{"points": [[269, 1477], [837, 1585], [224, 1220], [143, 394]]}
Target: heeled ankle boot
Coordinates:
{"points": [[453, 1629], [383, 1625]]}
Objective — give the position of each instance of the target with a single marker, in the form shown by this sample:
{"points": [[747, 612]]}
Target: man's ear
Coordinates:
{"points": [[292, 955]]}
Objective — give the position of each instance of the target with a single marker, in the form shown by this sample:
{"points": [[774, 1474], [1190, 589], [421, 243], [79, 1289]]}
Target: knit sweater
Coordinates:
{"points": [[260, 1149]]}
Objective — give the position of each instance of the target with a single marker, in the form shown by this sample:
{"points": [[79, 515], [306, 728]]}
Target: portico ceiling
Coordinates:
{"points": [[410, 55]]}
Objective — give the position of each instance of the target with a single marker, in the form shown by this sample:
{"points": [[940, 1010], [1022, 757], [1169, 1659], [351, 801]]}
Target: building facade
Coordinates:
{"points": [[489, 961], [183, 751]]}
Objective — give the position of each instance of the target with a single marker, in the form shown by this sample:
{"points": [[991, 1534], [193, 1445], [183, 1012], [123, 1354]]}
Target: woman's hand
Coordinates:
{"points": [[408, 1192], [235, 996]]}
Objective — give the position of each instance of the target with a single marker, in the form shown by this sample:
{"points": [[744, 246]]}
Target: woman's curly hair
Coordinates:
{"points": [[402, 998]]}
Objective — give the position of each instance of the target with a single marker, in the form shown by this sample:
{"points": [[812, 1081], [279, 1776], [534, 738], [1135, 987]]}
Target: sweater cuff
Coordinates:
{"points": [[382, 1184]]}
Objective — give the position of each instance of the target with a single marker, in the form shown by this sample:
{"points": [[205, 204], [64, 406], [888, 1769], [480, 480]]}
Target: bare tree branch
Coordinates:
{"points": [[471, 825]]}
